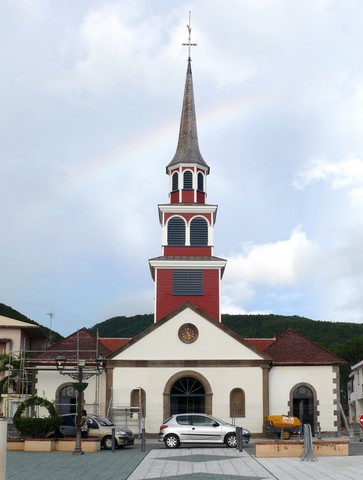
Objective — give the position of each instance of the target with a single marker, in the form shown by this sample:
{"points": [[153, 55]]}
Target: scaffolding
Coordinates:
{"points": [[19, 371]]}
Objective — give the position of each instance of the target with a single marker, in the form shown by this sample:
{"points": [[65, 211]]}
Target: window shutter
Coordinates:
{"points": [[198, 232], [176, 231], [200, 182], [188, 180], [175, 181], [187, 282]]}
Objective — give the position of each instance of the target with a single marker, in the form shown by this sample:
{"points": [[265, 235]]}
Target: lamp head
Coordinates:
{"points": [[101, 363], [60, 362]]}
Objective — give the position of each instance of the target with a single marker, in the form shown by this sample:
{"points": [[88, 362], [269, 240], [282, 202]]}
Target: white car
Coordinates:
{"points": [[199, 428]]}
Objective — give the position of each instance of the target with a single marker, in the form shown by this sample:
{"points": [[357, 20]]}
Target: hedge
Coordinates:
{"points": [[36, 427]]}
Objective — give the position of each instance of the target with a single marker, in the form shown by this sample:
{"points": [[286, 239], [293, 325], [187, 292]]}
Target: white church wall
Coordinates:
{"points": [[153, 381], [321, 378], [48, 382]]}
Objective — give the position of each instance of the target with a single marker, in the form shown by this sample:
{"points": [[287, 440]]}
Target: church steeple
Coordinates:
{"points": [[188, 148], [187, 271]]}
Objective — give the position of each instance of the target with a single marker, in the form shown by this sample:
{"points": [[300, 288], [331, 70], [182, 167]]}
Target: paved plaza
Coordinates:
{"points": [[185, 463]]}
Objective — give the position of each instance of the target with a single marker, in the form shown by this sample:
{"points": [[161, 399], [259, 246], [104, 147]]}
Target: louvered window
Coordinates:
{"points": [[198, 232], [175, 181], [176, 231], [188, 180], [200, 182], [187, 282]]}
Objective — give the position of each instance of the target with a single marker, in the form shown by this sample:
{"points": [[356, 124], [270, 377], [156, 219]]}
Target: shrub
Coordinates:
{"points": [[36, 427]]}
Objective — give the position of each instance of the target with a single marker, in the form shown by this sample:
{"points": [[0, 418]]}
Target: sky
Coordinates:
{"points": [[91, 94]]}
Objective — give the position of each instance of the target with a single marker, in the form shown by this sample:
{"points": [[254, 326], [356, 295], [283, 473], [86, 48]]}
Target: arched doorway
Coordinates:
{"points": [[187, 392], [187, 395], [304, 404], [67, 399]]}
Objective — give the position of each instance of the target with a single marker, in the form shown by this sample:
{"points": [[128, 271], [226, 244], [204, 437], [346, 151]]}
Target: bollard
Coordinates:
{"points": [[113, 439], [239, 437], [143, 440], [3, 440]]}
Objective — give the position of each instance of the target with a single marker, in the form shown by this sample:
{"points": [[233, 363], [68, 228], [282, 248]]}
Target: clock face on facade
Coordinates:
{"points": [[188, 333]]}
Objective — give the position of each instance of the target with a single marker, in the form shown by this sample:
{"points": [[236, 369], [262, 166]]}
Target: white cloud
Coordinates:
{"points": [[281, 264], [115, 45], [346, 174], [275, 83], [284, 262]]}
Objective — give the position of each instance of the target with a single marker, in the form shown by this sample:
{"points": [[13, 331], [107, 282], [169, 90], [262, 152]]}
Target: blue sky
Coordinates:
{"points": [[91, 96]]}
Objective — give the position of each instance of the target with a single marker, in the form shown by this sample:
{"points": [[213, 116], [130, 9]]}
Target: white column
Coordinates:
{"points": [[3, 440]]}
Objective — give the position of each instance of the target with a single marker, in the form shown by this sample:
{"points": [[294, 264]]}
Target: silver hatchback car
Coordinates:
{"points": [[199, 428]]}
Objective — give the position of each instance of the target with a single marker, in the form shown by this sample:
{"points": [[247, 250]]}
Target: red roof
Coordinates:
{"points": [[292, 348], [261, 344], [113, 344], [81, 344]]}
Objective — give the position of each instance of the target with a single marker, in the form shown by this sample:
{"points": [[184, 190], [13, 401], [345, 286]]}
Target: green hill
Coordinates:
{"points": [[9, 312], [248, 326], [123, 327]]}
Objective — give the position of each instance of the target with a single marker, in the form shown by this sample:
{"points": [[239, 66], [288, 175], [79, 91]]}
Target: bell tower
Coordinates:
{"points": [[187, 271]]}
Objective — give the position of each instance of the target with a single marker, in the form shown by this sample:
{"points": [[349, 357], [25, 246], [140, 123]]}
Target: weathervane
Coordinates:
{"points": [[189, 44]]}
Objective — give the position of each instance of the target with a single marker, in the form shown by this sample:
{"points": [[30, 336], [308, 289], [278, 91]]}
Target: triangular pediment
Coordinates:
{"points": [[163, 340]]}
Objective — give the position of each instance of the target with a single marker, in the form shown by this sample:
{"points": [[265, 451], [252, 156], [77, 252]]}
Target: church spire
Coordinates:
{"points": [[188, 148]]}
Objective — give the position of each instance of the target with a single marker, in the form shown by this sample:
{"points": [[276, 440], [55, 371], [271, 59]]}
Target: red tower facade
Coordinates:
{"points": [[187, 271]]}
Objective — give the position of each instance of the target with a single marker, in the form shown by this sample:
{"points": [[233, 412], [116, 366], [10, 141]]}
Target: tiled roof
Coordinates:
{"points": [[292, 348], [261, 343], [113, 344], [200, 258], [81, 344]]}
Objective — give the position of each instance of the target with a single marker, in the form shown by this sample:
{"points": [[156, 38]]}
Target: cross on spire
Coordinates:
{"points": [[189, 44]]}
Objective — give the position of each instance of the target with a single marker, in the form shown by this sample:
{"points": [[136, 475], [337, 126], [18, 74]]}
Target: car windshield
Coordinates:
{"points": [[104, 422]]}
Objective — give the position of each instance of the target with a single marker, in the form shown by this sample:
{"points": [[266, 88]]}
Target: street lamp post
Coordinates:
{"points": [[80, 373]]}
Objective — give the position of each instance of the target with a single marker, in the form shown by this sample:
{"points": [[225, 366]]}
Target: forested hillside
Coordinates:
{"points": [[9, 312], [249, 326], [343, 339]]}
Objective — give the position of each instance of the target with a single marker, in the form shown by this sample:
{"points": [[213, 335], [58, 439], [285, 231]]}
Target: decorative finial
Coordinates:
{"points": [[189, 44]]}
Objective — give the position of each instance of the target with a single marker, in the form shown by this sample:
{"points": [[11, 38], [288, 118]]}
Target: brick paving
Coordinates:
{"points": [[185, 463]]}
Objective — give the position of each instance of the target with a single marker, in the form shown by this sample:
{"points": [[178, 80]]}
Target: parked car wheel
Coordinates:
{"points": [[231, 440], [172, 441], [107, 442]]}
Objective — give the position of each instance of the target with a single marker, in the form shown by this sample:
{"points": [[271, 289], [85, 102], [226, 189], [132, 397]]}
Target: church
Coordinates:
{"points": [[188, 361]]}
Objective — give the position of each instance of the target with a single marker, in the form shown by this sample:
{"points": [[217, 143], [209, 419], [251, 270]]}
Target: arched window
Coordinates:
{"points": [[175, 181], [200, 182], [176, 231], [237, 407], [187, 395], [138, 401], [199, 231], [188, 180]]}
